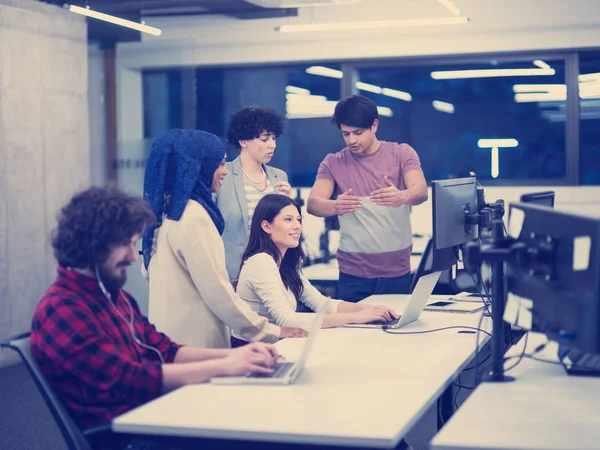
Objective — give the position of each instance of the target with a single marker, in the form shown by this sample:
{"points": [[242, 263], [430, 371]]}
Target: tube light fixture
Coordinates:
{"points": [[443, 106], [112, 19], [450, 7], [488, 73], [296, 90], [368, 87], [491, 143], [370, 25], [541, 64], [495, 162], [325, 72], [401, 95]]}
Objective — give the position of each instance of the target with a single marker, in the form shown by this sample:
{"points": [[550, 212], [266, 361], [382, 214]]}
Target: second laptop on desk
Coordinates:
{"points": [[413, 309], [283, 372]]}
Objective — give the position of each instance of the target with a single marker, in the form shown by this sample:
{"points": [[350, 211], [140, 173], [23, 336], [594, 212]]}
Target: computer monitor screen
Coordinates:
{"points": [[545, 198], [557, 266], [452, 201]]}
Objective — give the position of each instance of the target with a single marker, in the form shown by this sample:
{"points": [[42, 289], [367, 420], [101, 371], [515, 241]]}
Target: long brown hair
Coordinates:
{"points": [[260, 242]]}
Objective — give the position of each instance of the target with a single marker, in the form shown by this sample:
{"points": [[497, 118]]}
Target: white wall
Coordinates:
{"points": [[44, 147]]}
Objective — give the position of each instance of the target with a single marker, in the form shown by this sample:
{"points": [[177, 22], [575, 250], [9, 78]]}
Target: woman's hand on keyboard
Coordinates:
{"points": [[374, 314], [252, 358], [390, 314]]}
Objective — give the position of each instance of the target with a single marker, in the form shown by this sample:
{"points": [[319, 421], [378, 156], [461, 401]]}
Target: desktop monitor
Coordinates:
{"points": [[454, 204], [545, 198], [555, 263]]}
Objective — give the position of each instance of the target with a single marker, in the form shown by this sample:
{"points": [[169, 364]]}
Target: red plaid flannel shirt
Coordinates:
{"points": [[87, 354]]}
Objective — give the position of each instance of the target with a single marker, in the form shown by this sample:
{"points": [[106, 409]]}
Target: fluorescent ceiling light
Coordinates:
{"points": [[302, 106], [385, 91], [489, 73], [530, 97], [541, 64], [401, 95], [450, 7], [301, 99], [491, 143], [385, 111], [116, 20], [325, 72], [495, 162], [368, 87], [531, 88], [589, 77], [526, 93], [296, 90], [341, 26], [443, 106]]}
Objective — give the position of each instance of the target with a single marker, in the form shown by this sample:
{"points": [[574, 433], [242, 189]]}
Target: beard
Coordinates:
{"points": [[112, 278]]}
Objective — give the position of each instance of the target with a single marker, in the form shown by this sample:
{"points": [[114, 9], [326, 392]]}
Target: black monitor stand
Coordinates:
{"points": [[496, 251]]}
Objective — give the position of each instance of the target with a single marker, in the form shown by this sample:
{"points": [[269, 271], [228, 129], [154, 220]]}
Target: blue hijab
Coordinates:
{"points": [[181, 167]]}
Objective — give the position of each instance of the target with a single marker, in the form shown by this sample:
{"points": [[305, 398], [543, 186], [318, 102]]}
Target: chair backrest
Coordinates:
{"points": [[72, 435]]}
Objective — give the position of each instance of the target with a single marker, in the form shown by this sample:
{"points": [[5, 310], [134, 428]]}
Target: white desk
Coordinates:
{"points": [[361, 387], [544, 409]]}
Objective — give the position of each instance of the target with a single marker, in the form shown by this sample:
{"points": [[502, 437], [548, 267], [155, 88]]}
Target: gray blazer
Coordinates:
{"points": [[231, 200]]}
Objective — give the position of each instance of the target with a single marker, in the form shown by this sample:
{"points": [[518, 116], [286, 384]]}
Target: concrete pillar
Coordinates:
{"points": [[44, 147]]}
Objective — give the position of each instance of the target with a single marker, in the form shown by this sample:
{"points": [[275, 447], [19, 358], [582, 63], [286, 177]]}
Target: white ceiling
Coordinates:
{"points": [[495, 26], [485, 15]]}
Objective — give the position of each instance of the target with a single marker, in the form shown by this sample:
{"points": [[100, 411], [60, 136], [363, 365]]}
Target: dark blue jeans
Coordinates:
{"points": [[354, 289]]}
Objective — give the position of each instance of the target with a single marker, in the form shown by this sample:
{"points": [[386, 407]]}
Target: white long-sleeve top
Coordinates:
{"points": [[191, 298], [261, 286]]}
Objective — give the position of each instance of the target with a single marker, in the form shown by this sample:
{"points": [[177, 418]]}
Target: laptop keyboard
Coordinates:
{"points": [[380, 322], [280, 370]]}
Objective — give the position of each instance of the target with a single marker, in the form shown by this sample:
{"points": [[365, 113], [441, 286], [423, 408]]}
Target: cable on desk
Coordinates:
{"points": [[462, 327], [520, 356], [532, 356], [460, 387]]}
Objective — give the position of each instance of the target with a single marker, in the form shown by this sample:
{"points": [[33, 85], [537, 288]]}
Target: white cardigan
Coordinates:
{"points": [[191, 298], [261, 286]]}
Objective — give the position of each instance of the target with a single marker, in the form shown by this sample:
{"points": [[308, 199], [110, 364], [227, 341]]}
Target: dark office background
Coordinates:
{"points": [[554, 148]]}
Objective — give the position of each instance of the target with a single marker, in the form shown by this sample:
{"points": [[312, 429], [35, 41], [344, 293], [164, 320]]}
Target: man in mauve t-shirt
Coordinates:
{"points": [[375, 183]]}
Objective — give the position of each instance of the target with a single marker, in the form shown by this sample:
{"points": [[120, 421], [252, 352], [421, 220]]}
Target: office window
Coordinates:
{"points": [[504, 120], [589, 124], [204, 98]]}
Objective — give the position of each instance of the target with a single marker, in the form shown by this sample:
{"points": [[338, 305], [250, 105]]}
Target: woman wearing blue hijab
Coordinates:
{"points": [[191, 298]]}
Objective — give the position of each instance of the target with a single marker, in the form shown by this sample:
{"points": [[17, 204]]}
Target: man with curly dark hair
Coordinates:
{"points": [[254, 130], [95, 348]]}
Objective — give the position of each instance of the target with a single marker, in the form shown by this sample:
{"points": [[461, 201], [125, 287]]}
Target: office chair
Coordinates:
{"points": [[73, 436]]}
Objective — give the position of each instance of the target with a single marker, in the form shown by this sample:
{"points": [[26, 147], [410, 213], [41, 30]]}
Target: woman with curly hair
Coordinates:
{"points": [[191, 298], [255, 131]]}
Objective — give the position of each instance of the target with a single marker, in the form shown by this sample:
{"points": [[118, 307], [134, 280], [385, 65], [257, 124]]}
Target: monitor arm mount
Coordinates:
{"points": [[535, 256], [486, 212]]}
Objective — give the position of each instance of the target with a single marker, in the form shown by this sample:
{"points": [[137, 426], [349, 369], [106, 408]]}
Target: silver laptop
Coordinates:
{"points": [[413, 309], [283, 372]]}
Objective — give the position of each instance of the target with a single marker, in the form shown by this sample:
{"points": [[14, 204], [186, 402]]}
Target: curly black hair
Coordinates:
{"points": [[94, 222], [249, 123]]}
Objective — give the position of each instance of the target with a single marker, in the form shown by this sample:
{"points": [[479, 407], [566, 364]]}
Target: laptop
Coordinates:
{"points": [[283, 372], [414, 308]]}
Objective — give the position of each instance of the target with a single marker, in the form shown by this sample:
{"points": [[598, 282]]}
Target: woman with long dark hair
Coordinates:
{"points": [[270, 278]]}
